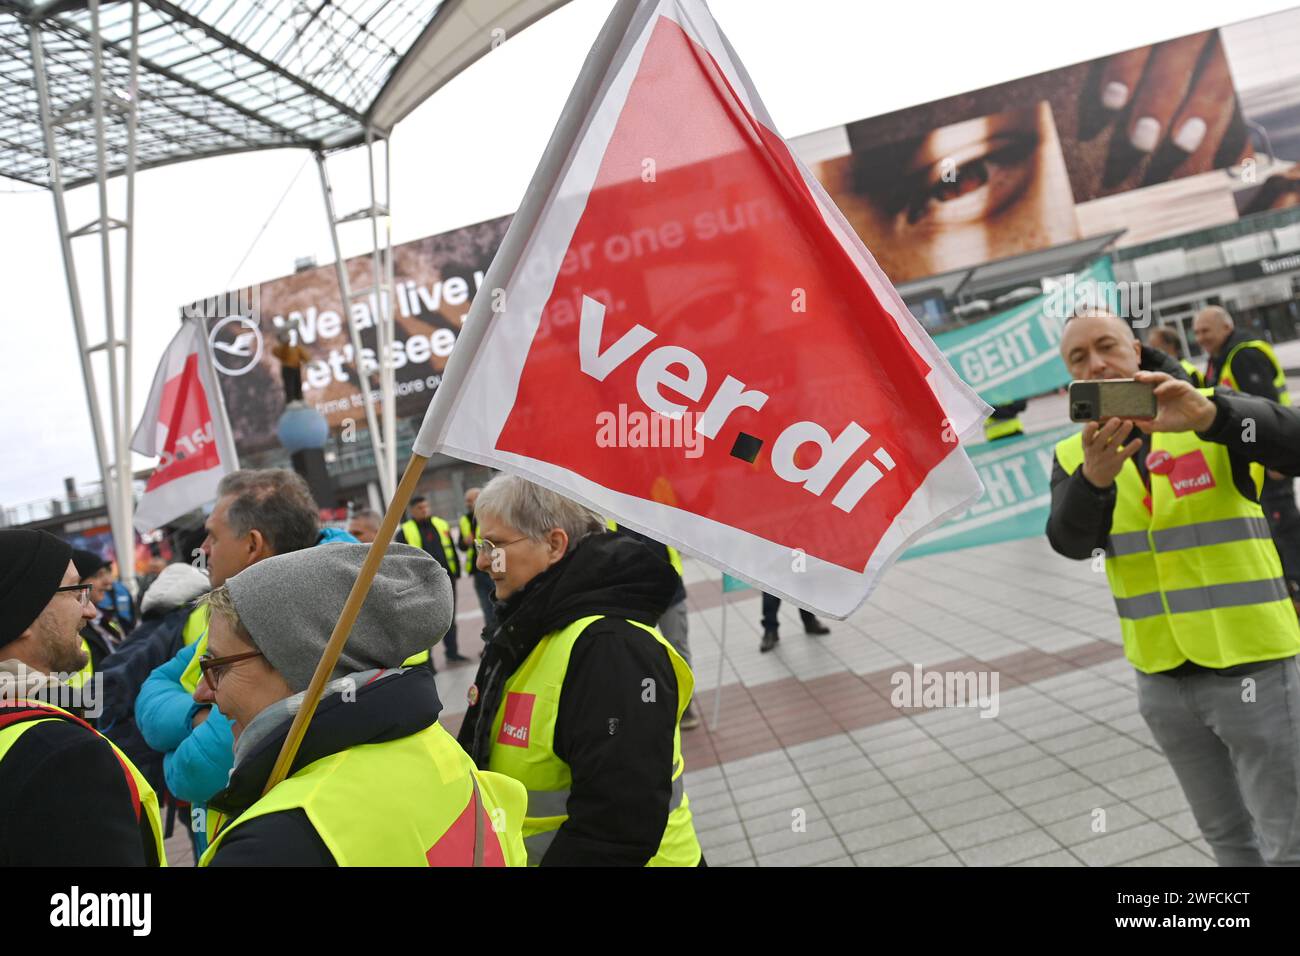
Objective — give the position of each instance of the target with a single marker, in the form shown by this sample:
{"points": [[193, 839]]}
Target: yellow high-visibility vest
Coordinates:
{"points": [[1279, 374], [21, 716], [414, 801], [526, 751], [995, 428], [1193, 373], [1195, 576], [411, 532], [468, 532], [82, 676]]}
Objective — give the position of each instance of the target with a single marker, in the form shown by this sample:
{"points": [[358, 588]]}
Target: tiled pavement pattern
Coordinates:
{"points": [[812, 765]]}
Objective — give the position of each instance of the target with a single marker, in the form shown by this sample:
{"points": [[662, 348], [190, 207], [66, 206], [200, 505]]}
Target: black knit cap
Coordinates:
{"points": [[88, 562], [32, 565]]}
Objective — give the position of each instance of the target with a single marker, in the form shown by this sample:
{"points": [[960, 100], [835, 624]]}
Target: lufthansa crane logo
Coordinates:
{"points": [[236, 345]]}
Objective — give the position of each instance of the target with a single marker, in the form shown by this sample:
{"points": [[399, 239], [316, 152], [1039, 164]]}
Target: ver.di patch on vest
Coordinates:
{"points": [[518, 718], [1187, 473]]}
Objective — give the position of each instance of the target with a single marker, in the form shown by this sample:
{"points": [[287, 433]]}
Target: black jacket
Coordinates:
{"points": [[618, 746], [1081, 513], [389, 708], [660, 551], [65, 801]]}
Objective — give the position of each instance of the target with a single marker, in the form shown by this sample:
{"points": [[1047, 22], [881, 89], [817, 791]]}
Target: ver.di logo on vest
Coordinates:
{"points": [[1187, 474], [517, 720]]}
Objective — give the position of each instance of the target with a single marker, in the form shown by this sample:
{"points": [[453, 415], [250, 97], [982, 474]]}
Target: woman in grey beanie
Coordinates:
{"points": [[376, 781]]}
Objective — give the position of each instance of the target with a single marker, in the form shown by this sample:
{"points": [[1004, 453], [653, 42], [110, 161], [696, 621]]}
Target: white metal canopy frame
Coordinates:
{"points": [[93, 89]]}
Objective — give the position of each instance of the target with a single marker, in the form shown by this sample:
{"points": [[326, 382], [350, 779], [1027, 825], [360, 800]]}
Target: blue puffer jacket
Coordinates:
{"points": [[197, 760]]}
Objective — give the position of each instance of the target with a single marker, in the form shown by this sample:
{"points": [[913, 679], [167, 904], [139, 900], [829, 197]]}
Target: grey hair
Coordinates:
{"points": [[365, 514], [1220, 313], [275, 501], [534, 511], [221, 604]]}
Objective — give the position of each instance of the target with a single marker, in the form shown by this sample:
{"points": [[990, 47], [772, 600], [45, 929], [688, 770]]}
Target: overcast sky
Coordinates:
{"points": [[467, 155]]}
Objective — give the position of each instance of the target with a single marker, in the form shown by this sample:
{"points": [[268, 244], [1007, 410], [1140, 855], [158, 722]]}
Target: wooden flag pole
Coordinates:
{"points": [[360, 588]]}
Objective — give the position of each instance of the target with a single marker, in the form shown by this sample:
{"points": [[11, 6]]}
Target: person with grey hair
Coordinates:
{"points": [[1173, 507], [258, 514], [376, 781], [577, 696]]}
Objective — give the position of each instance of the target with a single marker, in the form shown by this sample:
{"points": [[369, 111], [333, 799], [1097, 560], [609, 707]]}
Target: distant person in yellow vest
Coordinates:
{"points": [[424, 529], [481, 580], [376, 781], [1198, 588], [1166, 340], [578, 697], [1247, 364], [1005, 422], [68, 797]]}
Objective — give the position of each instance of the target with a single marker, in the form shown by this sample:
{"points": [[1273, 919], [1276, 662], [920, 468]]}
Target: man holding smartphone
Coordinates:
{"points": [[1204, 610]]}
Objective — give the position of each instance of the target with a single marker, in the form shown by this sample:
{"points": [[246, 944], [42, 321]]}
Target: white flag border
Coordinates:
{"points": [[481, 404]]}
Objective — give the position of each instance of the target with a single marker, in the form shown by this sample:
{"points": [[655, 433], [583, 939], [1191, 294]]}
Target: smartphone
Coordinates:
{"points": [[1111, 398]]}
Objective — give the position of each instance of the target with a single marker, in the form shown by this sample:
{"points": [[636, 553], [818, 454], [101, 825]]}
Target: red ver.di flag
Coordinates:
{"points": [[681, 331], [184, 426]]}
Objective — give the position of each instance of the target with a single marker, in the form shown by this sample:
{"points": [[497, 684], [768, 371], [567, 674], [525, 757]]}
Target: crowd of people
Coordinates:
{"points": [[120, 719], [577, 707]]}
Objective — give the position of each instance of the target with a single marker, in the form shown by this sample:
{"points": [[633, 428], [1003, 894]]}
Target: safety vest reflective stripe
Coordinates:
{"points": [[555, 803], [1210, 532], [1193, 372], [1206, 598], [1188, 536], [1143, 605], [20, 716], [1279, 374]]}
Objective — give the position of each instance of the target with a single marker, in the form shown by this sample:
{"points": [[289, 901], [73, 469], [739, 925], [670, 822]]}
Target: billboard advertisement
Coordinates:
{"points": [[1156, 140], [435, 279]]}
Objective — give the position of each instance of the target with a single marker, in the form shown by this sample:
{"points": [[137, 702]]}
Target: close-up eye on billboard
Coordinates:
{"points": [[1154, 141]]}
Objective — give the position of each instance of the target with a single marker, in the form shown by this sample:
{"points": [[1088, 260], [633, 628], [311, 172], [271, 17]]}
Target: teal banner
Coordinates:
{"points": [[1017, 476], [732, 584], [1013, 355]]}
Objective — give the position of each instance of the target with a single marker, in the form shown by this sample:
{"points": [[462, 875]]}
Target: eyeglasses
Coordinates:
{"points": [[83, 597], [213, 667], [485, 545]]}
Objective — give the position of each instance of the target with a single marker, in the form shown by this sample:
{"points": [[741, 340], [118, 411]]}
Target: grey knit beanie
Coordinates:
{"points": [[290, 603]]}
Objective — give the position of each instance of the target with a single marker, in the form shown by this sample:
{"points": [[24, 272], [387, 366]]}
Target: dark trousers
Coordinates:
{"points": [[485, 590], [772, 605], [449, 644], [292, 379], [1278, 502]]}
